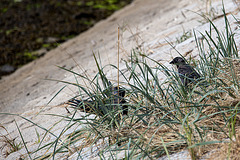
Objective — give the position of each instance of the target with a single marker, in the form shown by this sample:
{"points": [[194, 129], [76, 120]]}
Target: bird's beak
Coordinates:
{"points": [[171, 62]]}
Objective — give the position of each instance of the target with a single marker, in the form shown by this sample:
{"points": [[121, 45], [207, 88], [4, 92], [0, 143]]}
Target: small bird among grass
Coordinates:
{"points": [[186, 72], [114, 97]]}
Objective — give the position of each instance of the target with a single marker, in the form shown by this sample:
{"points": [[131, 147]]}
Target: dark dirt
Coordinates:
{"points": [[29, 25]]}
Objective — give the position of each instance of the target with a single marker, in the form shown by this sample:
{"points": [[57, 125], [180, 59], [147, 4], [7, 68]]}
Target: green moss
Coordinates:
{"points": [[46, 45], [88, 22], [111, 5], [66, 37], [29, 56], [79, 3], [3, 10], [7, 32], [91, 3], [15, 1]]}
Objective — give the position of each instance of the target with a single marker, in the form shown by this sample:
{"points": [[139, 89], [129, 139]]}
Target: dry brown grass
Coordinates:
{"points": [[229, 150]]}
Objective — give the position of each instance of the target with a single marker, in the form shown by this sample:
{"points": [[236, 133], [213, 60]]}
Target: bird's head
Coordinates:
{"points": [[178, 61]]}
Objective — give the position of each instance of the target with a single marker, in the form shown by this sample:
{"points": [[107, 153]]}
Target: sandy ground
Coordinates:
{"points": [[143, 23]]}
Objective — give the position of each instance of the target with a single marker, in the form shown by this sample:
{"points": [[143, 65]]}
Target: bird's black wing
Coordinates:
{"points": [[114, 98], [187, 74]]}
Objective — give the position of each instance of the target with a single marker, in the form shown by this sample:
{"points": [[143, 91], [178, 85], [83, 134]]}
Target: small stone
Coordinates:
{"points": [[6, 69]]}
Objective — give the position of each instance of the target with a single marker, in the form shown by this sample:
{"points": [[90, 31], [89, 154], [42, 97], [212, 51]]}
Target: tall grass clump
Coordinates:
{"points": [[162, 116]]}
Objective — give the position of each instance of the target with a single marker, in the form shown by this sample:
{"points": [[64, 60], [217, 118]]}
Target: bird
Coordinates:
{"points": [[186, 72], [113, 98]]}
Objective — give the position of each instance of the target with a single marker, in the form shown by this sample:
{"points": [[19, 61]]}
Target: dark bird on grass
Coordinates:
{"points": [[186, 72], [114, 97]]}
